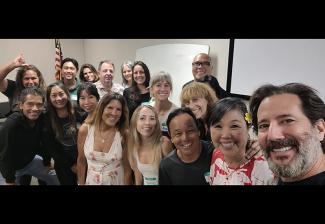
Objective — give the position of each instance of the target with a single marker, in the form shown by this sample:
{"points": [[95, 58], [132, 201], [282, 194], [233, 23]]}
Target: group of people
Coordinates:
{"points": [[92, 131]]}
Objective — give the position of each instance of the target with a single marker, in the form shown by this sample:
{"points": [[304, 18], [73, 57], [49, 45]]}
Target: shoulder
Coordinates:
{"points": [[207, 146], [11, 88], [127, 91], [117, 85], [14, 119], [83, 130], [11, 84], [169, 159], [118, 88], [187, 83]]}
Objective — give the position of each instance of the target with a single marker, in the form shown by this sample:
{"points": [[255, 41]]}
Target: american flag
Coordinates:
{"points": [[58, 59]]}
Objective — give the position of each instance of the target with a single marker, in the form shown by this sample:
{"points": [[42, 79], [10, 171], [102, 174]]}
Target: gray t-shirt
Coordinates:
{"points": [[173, 171]]}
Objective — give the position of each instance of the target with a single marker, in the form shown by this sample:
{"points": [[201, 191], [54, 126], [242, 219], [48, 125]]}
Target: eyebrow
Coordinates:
{"points": [[278, 117]]}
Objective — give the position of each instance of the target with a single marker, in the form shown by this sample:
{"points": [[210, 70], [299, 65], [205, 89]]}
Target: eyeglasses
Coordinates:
{"points": [[198, 63]]}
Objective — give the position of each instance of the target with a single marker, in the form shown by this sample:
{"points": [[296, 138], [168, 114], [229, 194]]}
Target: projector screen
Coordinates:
{"points": [[254, 62]]}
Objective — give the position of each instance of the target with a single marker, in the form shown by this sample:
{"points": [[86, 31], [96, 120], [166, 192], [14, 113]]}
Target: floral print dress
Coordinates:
{"points": [[104, 168], [255, 171]]}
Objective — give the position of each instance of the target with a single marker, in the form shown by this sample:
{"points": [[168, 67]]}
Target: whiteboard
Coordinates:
{"points": [[277, 61], [176, 59]]}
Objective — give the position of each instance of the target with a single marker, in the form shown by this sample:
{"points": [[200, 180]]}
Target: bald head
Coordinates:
{"points": [[201, 66]]}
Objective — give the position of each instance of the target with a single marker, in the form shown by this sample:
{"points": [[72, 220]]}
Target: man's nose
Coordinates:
{"points": [[275, 132]]}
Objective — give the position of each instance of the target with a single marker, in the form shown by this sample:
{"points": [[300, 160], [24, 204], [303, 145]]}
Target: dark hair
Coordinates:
{"points": [[312, 105], [179, 111], [56, 127], [72, 60], [92, 68], [20, 74], [90, 88], [123, 123], [35, 91], [220, 108], [146, 73]]}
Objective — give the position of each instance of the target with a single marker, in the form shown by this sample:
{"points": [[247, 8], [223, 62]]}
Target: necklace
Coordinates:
{"points": [[106, 137]]}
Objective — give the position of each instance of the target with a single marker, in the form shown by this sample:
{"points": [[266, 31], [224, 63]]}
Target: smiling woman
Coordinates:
{"points": [[230, 164], [102, 144]]}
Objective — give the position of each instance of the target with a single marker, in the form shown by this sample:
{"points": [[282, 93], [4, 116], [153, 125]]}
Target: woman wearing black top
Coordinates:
{"points": [[139, 91], [61, 132]]}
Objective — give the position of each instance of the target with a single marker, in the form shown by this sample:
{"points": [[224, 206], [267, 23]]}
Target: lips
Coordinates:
{"points": [[227, 145], [186, 146], [282, 145], [283, 149]]}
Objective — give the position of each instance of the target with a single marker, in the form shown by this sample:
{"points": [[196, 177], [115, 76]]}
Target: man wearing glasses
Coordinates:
{"points": [[201, 69]]}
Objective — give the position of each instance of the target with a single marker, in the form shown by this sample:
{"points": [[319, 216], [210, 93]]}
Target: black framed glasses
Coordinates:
{"points": [[198, 63]]}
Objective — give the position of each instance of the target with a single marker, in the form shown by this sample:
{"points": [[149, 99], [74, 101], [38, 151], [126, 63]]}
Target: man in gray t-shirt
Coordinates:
{"points": [[189, 163]]}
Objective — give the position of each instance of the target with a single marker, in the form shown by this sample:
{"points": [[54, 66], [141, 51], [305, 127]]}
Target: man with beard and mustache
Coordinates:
{"points": [[289, 121]]}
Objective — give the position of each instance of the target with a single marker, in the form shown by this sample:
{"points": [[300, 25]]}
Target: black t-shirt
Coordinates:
{"points": [[318, 179], [173, 171], [134, 99]]}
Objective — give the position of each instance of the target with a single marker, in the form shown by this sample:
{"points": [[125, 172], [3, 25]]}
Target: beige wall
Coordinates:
{"points": [[40, 52]]}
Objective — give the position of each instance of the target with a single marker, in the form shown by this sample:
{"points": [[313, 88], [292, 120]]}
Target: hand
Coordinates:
{"points": [[253, 149], [19, 61]]}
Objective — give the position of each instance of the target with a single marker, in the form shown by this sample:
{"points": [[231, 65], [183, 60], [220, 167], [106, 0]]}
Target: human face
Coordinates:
{"points": [[161, 90], [59, 98], [112, 113], [30, 79], [88, 75], [87, 101], [200, 71], [198, 106], [146, 122], [69, 71], [106, 73], [184, 134], [127, 73], [32, 107], [289, 140], [230, 134], [138, 74]]}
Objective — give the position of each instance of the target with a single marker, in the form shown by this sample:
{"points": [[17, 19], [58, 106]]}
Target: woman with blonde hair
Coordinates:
{"points": [[160, 88], [199, 97], [102, 144], [146, 145]]}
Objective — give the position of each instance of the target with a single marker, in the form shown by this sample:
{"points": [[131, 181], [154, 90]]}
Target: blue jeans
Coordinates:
{"points": [[37, 169]]}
